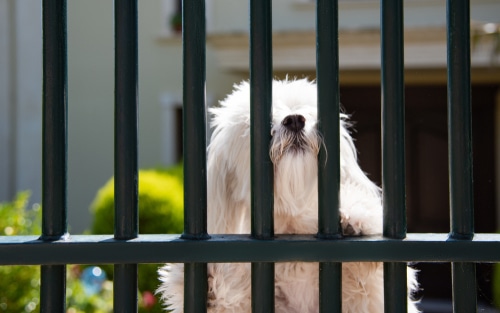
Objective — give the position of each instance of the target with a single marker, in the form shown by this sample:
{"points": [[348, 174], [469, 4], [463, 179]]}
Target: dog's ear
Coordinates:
{"points": [[228, 179]]}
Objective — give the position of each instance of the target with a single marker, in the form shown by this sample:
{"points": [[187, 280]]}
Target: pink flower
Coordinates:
{"points": [[148, 299]]}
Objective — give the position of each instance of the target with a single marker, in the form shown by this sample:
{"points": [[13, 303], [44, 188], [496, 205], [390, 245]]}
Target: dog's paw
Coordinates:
{"points": [[349, 227]]}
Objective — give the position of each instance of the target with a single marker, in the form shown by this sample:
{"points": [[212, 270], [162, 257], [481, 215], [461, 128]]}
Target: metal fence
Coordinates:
{"points": [[55, 248]]}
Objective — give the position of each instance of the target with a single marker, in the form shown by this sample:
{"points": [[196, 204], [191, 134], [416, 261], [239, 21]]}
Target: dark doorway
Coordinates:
{"points": [[427, 166]]}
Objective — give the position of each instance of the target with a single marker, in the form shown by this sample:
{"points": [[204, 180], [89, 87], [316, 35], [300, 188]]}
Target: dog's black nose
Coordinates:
{"points": [[294, 122]]}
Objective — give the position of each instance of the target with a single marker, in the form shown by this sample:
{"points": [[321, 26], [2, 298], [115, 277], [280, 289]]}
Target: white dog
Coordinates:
{"points": [[293, 150]]}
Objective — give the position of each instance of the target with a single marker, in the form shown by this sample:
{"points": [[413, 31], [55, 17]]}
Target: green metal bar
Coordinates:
{"points": [[194, 147], [330, 287], [327, 77], [125, 277], [460, 149], [53, 288], [393, 114], [194, 120], [126, 151], [262, 179], [393, 148], [54, 149], [464, 287], [104, 249], [459, 120], [126, 96], [261, 118], [262, 287], [396, 294], [329, 125], [195, 283]]}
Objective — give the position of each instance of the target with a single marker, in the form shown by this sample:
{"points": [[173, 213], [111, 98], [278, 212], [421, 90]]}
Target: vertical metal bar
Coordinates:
{"points": [[54, 150], [330, 287], [126, 152], [53, 289], [194, 120], [195, 287], [395, 289], [124, 293], [54, 220], [327, 77], [464, 287], [194, 147], [261, 70], [393, 148], [262, 287], [261, 119], [393, 114], [459, 120], [460, 149]]}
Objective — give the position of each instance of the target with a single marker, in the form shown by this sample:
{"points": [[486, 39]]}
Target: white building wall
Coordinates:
{"points": [[6, 136], [20, 98]]}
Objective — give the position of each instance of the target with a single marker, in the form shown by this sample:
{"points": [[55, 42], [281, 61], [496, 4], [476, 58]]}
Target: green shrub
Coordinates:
{"points": [[161, 206], [20, 285]]}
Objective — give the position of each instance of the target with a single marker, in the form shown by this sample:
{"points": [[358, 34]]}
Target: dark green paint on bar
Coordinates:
{"points": [[261, 118], [464, 287], [460, 149], [126, 124], [124, 293], [195, 287], [126, 148], [194, 120], [53, 289], [393, 148], [459, 120], [54, 149], [194, 147], [104, 249], [395, 290], [262, 184], [327, 77], [393, 114], [328, 122]]}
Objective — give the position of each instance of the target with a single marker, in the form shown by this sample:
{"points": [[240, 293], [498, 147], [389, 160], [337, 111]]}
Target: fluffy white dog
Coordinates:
{"points": [[293, 150]]}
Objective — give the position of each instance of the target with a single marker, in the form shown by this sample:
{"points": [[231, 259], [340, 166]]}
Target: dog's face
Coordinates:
{"points": [[293, 149], [294, 130], [294, 146]]}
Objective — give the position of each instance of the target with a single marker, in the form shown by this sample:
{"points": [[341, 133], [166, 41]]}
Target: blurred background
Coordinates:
{"points": [[91, 98]]}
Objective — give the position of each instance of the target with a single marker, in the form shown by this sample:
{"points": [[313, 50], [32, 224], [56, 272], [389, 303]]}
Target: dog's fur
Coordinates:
{"points": [[294, 155]]}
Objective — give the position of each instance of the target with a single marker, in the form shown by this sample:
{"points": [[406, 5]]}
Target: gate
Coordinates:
{"points": [[126, 248]]}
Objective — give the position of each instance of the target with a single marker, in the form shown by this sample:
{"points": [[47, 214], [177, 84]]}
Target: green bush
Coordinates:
{"points": [[161, 203], [20, 285], [161, 206]]}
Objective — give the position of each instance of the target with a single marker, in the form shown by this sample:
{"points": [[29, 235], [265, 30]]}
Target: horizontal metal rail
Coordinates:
{"points": [[103, 249]]}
